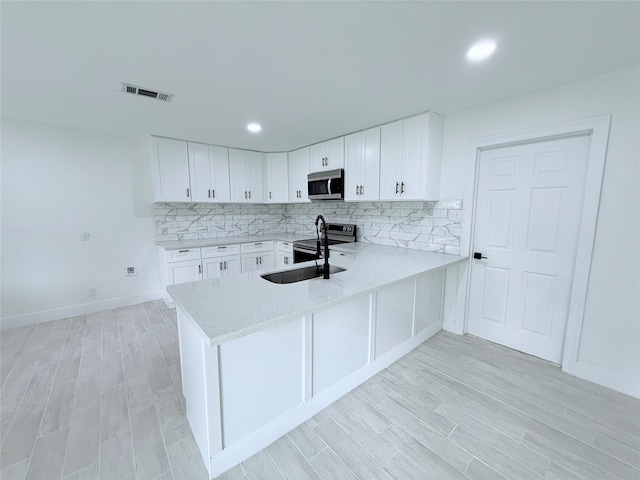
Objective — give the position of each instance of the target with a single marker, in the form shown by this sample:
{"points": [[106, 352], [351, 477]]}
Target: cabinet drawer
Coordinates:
{"points": [[285, 247], [183, 255], [256, 247], [220, 250]]}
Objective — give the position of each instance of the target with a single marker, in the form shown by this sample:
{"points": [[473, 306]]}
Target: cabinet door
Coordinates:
{"points": [[414, 157], [266, 261], [390, 160], [370, 166], [334, 154], [284, 259], [238, 176], [277, 178], [232, 265], [249, 263], [200, 172], [212, 268], [181, 272], [353, 163], [327, 155], [169, 170], [298, 172], [219, 160], [317, 154], [254, 177]]}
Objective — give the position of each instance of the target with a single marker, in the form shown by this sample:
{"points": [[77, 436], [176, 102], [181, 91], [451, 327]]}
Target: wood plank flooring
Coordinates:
{"points": [[98, 397]]}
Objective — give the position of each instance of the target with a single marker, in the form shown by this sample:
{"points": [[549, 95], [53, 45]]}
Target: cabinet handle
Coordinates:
{"points": [[256, 260], [183, 251], [220, 248], [361, 190], [245, 194], [257, 243], [269, 195], [188, 193], [221, 265], [199, 268], [249, 193], [213, 193], [402, 188], [397, 185], [209, 193], [225, 264]]}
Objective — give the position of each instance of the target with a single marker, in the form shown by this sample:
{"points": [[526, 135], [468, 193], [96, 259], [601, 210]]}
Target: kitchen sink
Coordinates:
{"points": [[299, 274]]}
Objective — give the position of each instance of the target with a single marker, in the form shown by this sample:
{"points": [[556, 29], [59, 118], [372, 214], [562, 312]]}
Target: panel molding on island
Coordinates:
{"points": [[246, 393]]}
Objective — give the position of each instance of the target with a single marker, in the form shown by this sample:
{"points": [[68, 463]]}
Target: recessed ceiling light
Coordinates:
{"points": [[254, 127], [481, 50]]}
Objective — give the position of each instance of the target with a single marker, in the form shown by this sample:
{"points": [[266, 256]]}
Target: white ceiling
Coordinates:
{"points": [[307, 71]]}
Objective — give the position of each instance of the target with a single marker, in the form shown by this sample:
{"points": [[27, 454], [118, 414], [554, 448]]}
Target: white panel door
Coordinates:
{"points": [[528, 210]]}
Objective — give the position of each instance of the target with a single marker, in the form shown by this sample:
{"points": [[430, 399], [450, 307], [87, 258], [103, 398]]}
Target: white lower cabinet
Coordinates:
{"points": [[182, 272], [221, 266], [284, 254], [257, 256]]}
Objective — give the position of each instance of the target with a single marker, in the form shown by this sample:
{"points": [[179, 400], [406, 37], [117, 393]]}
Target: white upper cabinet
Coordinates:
{"points": [[362, 165], [276, 178], [298, 172], [246, 180], [327, 155], [169, 170], [410, 158], [209, 171]]}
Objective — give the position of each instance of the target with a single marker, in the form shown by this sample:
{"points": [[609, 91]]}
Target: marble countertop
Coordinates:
{"points": [[210, 242], [231, 307]]}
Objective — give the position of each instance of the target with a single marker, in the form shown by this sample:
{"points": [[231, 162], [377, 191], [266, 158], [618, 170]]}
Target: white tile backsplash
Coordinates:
{"points": [[431, 226]]}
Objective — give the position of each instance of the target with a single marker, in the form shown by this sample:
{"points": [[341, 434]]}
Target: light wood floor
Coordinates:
{"points": [[97, 396]]}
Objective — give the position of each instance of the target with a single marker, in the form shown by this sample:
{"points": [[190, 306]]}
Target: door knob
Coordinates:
{"points": [[478, 256]]}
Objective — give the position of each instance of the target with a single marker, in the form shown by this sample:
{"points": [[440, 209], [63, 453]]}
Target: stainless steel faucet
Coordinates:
{"points": [[325, 267]]}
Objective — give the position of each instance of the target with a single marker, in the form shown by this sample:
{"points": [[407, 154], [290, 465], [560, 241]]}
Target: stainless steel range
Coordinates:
{"points": [[305, 250]]}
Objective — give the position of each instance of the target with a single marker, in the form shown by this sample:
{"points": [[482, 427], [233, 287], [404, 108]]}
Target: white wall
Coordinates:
{"points": [[56, 184], [610, 344]]}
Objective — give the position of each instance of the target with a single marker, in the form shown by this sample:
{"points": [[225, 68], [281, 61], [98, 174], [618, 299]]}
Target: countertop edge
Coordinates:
{"points": [[226, 337]]}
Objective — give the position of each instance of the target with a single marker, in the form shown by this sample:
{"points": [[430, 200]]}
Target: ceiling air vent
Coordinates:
{"points": [[145, 92]]}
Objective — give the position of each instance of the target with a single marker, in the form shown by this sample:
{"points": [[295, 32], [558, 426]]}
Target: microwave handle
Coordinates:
{"points": [[329, 186]]}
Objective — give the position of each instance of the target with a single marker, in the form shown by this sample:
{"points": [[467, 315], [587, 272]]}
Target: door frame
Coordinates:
{"points": [[598, 130]]}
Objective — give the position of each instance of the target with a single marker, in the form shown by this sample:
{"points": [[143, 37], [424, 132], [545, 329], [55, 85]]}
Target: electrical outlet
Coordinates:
{"points": [[86, 237], [131, 271], [92, 292]]}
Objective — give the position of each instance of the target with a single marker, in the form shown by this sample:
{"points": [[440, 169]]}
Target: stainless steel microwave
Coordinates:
{"points": [[327, 185]]}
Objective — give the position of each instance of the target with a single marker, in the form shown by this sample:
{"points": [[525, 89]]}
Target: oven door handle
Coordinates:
{"points": [[329, 186]]}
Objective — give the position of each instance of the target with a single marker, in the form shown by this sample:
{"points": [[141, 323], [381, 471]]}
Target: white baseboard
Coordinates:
{"points": [[607, 379], [233, 455], [75, 310]]}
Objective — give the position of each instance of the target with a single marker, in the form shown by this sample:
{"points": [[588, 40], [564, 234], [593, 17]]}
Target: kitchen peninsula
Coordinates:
{"points": [[259, 358]]}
